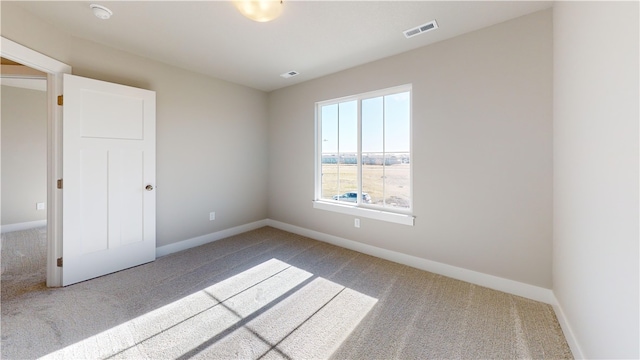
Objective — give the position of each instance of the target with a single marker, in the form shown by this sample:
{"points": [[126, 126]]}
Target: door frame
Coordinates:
{"points": [[54, 70]]}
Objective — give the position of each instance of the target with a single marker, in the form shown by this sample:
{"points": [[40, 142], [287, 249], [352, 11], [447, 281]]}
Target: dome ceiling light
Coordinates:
{"points": [[259, 10], [101, 12]]}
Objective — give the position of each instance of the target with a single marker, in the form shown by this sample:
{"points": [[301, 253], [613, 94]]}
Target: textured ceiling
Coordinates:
{"points": [[315, 38]]}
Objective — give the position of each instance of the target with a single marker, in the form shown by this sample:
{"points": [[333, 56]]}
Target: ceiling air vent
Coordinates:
{"points": [[289, 74], [431, 25]]}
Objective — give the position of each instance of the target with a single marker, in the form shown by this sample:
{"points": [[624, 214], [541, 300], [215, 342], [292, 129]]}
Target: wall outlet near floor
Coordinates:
{"points": [[356, 223], [212, 216], [39, 206]]}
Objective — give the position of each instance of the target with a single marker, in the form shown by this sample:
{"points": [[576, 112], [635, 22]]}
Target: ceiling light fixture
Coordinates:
{"points": [[259, 10], [101, 12]]}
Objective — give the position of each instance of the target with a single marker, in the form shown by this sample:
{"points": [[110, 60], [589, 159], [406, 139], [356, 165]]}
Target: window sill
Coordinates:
{"points": [[366, 213]]}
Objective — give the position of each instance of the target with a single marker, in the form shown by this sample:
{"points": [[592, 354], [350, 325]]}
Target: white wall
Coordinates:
{"points": [[24, 155], [482, 122], [595, 253], [211, 142]]}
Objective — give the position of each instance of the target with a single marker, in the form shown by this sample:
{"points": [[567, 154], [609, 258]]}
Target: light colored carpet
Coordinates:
{"points": [[23, 261], [268, 294]]}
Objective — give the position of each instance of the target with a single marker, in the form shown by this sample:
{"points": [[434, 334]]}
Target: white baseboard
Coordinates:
{"points": [[204, 239], [474, 277], [576, 350], [23, 226], [497, 283]]}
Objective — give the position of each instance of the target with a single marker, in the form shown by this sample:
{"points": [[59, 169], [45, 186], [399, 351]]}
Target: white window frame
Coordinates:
{"points": [[358, 209]]}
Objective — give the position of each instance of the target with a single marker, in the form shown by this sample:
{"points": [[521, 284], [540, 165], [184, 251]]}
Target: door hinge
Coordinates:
{"points": [[60, 100], [59, 262], [59, 183]]}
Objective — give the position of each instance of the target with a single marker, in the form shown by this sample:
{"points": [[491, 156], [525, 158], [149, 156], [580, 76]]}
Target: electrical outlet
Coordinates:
{"points": [[39, 206], [356, 223], [212, 216]]}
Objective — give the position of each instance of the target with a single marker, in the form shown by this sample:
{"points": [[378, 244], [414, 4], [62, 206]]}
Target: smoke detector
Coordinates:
{"points": [[101, 12]]}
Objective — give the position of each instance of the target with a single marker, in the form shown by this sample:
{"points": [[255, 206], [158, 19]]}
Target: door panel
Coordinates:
{"points": [[93, 210], [127, 196], [108, 160], [111, 116]]}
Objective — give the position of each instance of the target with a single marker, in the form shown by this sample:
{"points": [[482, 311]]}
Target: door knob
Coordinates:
{"points": [[149, 187]]}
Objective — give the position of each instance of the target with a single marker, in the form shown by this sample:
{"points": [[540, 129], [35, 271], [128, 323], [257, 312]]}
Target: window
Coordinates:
{"points": [[363, 155]]}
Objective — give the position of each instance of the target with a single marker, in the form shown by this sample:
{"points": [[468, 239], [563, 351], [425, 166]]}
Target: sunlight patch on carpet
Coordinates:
{"points": [[272, 309]]}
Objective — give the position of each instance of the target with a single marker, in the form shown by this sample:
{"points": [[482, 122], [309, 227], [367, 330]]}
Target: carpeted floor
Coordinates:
{"points": [[23, 261], [265, 294]]}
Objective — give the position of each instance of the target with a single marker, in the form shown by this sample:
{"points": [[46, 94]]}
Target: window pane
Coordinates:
{"points": [[348, 125], [329, 179], [332, 189], [329, 116], [348, 151], [329, 150], [372, 177], [397, 123], [397, 180], [372, 125], [348, 181], [339, 150]]}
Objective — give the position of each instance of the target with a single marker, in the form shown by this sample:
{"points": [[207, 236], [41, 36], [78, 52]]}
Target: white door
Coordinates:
{"points": [[108, 201]]}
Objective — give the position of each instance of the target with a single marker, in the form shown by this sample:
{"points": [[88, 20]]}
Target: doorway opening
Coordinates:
{"points": [[24, 175], [54, 70]]}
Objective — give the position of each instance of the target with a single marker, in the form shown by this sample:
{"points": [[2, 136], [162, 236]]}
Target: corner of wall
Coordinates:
{"points": [[576, 350]]}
